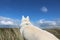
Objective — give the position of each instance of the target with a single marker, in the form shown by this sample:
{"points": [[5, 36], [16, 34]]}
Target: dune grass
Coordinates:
{"points": [[10, 34], [14, 33], [56, 32]]}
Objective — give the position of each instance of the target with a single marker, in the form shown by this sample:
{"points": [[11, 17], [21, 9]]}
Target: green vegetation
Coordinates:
{"points": [[10, 34]]}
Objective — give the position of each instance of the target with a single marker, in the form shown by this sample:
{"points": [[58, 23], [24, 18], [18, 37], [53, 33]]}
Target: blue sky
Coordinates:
{"points": [[36, 9]]}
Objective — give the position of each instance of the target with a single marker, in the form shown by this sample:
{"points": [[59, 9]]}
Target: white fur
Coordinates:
{"points": [[30, 32]]}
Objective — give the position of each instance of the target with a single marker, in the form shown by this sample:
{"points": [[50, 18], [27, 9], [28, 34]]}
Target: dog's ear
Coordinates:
{"points": [[23, 17], [27, 17]]}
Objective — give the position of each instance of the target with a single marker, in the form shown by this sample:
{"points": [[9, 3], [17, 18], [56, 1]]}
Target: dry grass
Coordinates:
{"points": [[14, 33], [56, 32], [10, 34]]}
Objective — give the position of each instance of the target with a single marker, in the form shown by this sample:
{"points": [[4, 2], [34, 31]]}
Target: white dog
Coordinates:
{"points": [[31, 32]]}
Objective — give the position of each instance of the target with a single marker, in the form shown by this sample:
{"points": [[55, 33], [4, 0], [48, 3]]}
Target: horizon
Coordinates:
{"points": [[42, 23]]}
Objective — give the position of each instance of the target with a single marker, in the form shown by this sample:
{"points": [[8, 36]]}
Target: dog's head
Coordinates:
{"points": [[25, 21]]}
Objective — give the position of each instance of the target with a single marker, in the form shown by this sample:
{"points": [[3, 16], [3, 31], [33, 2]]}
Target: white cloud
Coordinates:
{"points": [[8, 21], [44, 9], [47, 21], [42, 23]]}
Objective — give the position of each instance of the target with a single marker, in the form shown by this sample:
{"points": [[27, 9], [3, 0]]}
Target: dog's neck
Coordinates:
{"points": [[26, 24]]}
